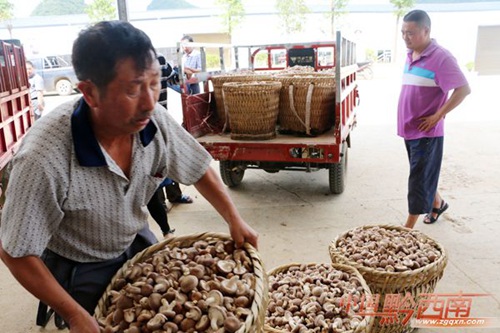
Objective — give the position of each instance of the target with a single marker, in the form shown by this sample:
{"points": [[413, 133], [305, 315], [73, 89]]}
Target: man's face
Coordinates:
{"points": [[186, 48], [416, 37], [126, 105], [30, 70]]}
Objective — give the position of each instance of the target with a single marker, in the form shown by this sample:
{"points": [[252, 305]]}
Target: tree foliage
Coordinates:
{"points": [[232, 15], [59, 7], [292, 14], [101, 10], [6, 10], [401, 7], [169, 4], [336, 10]]}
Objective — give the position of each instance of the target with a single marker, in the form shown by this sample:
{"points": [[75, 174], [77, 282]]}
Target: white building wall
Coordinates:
{"points": [[457, 31]]}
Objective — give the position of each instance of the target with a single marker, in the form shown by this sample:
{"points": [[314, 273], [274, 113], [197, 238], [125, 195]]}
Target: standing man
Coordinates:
{"points": [[431, 72], [191, 61], [36, 90], [87, 170]]}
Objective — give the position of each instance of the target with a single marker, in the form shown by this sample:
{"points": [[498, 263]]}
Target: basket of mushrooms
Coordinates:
{"points": [[392, 260], [194, 283], [316, 298]]}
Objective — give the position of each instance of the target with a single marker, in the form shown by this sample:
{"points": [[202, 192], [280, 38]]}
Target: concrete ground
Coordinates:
{"points": [[297, 218]]}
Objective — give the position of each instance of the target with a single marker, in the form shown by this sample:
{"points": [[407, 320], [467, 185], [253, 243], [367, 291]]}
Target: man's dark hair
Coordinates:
{"points": [[98, 49], [188, 38], [418, 16]]}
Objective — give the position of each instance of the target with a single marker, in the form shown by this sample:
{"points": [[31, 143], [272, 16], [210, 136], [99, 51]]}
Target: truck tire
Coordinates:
{"points": [[230, 175], [64, 87], [337, 172]]}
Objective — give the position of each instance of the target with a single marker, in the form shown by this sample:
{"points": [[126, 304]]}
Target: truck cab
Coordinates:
{"points": [[58, 74]]}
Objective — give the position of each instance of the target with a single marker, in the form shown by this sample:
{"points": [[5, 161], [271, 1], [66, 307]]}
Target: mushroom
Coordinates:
{"points": [[132, 329], [229, 286], [193, 312], [214, 297], [156, 322], [188, 283], [129, 315], [187, 324], [232, 324], [242, 301], [167, 308], [202, 324], [155, 301], [217, 315], [170, 327], [226, 266]]}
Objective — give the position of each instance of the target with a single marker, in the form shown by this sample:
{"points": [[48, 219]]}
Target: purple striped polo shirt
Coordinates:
{"points": [[426, 84]]}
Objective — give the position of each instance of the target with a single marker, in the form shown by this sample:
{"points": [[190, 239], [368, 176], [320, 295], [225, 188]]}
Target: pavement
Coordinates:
{"points": [[297, 218]]}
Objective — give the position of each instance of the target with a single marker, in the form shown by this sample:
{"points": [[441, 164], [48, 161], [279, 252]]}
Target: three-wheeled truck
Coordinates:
{"points": [[327, 150]]}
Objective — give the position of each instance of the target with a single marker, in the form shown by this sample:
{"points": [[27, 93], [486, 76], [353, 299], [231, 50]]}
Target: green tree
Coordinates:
{"points": [[6, 13], [59, 7], [292, 14], [169, 4], [401, 7], [232, 15], [336, 10], [101, 10]]}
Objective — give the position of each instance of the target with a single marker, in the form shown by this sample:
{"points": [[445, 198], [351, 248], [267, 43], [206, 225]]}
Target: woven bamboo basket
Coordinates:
{"points": [[415, 282], [219, 80], [364, 325], [307, 103], [252, 108], [254, 320]]}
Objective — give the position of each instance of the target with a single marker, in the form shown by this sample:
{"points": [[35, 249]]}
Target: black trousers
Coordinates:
{"points": [[86, 282], [158, 210]]}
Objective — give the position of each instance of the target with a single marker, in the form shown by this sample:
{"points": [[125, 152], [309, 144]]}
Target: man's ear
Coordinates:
{"points": [[90, 92]]}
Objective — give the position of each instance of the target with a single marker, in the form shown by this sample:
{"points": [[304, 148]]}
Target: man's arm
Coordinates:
{"points": [[211, 187], [455, 99], [41, 101], [35, 277]]}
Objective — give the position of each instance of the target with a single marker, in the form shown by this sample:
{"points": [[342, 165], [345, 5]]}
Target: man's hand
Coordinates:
{"points": [[458, 95], [83, 323], [243, 233], [211, 188], [428, 123]]}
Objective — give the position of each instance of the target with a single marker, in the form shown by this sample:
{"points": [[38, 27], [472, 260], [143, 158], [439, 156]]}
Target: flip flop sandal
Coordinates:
{"points": [[169, 234], [185, 199], [429, 219]]}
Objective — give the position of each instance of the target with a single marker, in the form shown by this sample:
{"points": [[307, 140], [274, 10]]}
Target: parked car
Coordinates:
{"points": [[58, 75]]}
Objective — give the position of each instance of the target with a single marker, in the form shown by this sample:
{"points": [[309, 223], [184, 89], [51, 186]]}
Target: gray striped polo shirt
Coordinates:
{"points": [[67, 194]]}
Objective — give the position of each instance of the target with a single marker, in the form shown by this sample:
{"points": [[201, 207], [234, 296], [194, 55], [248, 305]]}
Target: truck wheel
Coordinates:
{"points": [[337, 173], [231, 175], [64, 87]]}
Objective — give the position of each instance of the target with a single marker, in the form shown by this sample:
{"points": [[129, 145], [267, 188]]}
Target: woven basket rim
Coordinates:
{"points": [[259, 304], [441, 261], [271, 84], [368, 320]]}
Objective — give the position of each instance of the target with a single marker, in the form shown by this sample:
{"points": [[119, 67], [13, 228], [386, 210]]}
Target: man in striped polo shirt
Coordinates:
{"points": [[81, 180], [430, 73]]}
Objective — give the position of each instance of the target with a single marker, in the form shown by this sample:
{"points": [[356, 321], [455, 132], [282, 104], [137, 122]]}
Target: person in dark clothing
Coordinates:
{"points": [[156, 206]]}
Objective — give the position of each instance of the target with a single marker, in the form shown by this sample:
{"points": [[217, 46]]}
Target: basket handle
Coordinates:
{"points": [[307, 123]]}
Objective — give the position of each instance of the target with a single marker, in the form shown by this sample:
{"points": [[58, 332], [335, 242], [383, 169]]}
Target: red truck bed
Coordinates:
{"points": [[284, 152], [16, 116]]}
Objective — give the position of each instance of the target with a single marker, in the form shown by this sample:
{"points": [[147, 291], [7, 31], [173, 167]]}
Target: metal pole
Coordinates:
{"points": [[122, 10]]}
